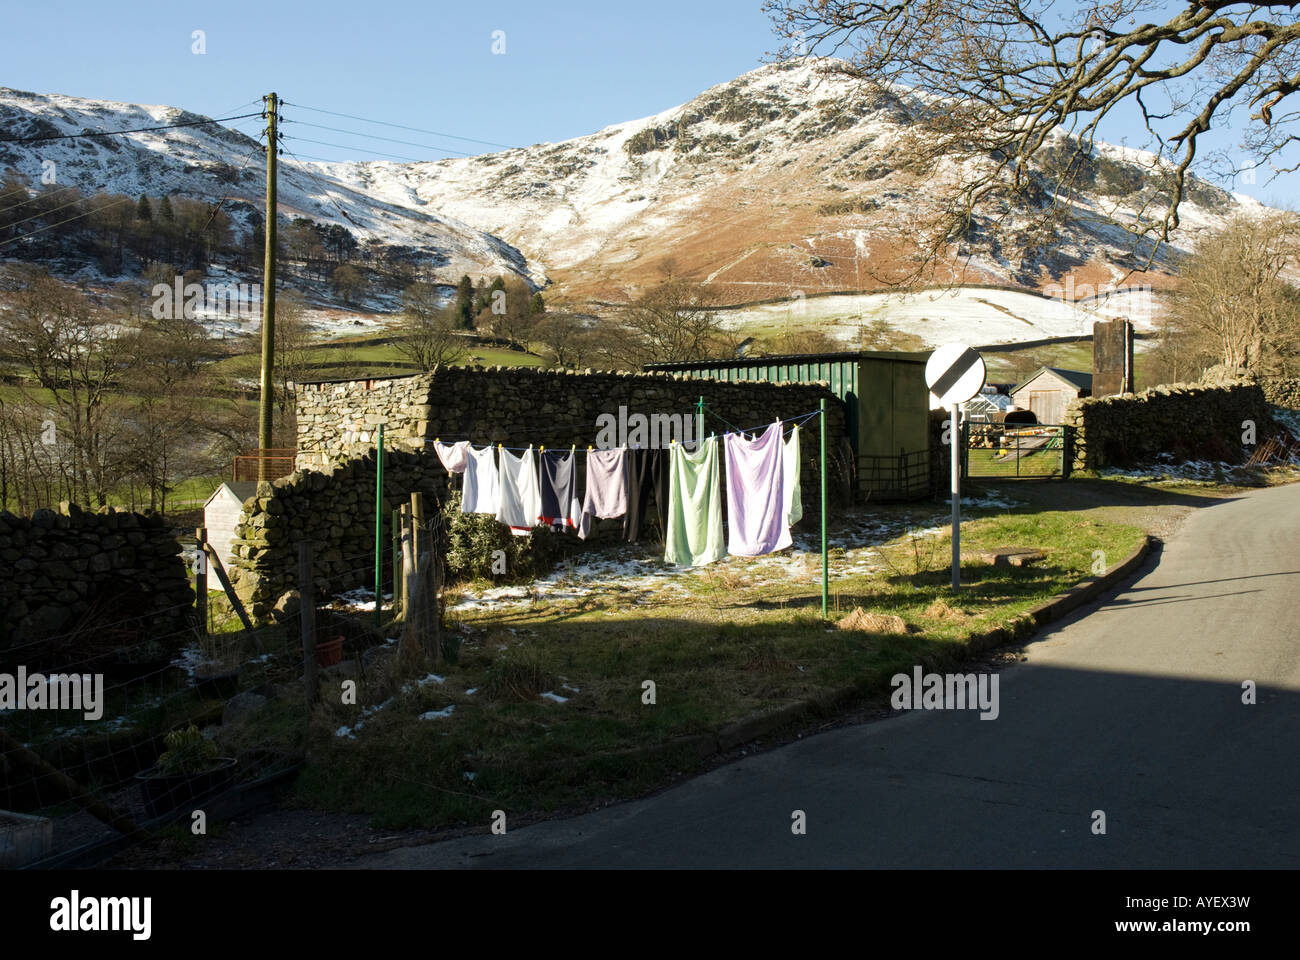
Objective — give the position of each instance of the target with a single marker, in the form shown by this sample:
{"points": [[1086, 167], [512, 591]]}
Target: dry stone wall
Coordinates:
{"points": [[55, 565], [521, 405], [330, 499], [1185, 420], [1282, 391]]}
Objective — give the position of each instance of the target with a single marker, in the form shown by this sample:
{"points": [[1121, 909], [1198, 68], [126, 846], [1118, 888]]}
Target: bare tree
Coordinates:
{"points": [[166, 421], [565, 336], [70, 349], [510, 312], [428, 334], [293, 343], [1232, 302], [991, 85], [674, 321]]}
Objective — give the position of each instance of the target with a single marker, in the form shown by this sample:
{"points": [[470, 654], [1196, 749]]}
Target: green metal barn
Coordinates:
{"points": [[886, 407]]}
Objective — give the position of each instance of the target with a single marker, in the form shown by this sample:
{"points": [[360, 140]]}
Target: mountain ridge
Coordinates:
{"points": [[786, 181]]}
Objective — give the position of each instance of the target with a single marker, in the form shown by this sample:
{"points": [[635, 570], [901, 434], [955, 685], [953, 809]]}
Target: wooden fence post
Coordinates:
{"points": [[417, 524], [435, 588], [420, 549], [408, 559], [307, 615], [397, 562], [224, 580], [410, 584], [201, 581]]}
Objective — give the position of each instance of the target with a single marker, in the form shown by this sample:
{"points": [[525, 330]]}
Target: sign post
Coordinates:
{"points": [[955, 373], [954, 412]]}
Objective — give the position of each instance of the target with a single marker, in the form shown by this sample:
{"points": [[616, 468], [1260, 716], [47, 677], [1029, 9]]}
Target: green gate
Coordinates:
{"points": [[1016, 450]]}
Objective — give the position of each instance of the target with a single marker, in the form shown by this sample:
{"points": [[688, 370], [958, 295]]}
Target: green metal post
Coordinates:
{"points": [[699, 421], [379, 529], [826, 578]]}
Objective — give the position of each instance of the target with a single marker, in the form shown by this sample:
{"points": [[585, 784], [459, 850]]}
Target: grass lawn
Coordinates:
{"points": [[718, 645], [989, 463]]}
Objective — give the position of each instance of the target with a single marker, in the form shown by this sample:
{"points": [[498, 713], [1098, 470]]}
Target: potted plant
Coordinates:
{"points": [[188, 770]]}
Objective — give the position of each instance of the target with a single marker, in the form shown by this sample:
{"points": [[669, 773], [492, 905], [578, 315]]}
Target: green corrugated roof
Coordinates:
{"points": [[897, 355]]}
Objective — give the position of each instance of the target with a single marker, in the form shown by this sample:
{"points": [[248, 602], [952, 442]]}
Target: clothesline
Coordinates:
{"points": [[794, 421]]}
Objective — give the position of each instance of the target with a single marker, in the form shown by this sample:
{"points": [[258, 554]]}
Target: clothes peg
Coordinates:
{"points": [[589, 448], [542, 448]]}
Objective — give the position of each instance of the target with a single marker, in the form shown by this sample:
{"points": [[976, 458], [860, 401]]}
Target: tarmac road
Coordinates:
{"points": [[1131, 706]]}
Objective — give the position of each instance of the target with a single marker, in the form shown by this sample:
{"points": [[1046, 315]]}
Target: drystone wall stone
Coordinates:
{"points": [[329, 500]]}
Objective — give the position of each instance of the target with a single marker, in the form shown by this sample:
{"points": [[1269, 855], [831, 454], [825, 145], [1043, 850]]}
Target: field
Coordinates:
{"points": [[545, 705], [972, 315]]}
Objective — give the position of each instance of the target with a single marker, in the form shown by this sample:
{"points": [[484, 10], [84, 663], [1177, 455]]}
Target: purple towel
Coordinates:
{"points": [[756, 511]]}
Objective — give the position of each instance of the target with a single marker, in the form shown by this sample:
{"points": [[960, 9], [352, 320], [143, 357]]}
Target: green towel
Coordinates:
{"points": [[791, 467], [694, 506]]}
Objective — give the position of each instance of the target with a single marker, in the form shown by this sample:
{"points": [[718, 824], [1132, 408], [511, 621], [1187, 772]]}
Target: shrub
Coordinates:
{"points": [[473, 540], [187, 752]]}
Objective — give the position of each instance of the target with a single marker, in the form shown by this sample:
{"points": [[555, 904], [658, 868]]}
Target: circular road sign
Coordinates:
{"points": [[954, 373]]}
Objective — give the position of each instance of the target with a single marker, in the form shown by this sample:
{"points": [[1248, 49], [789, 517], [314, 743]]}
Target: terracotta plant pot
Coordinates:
{"points": [[330, 652]]}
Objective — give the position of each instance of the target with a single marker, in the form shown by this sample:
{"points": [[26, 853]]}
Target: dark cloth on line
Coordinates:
{"points": [[560, 506], [647, 478]]}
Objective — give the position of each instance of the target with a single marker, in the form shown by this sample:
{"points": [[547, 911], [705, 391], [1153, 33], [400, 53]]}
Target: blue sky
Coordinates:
{"points": [[569, 68]]}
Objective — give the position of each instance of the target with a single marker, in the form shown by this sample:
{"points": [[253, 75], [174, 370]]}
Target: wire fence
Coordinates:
{"points": [[115, 730]]}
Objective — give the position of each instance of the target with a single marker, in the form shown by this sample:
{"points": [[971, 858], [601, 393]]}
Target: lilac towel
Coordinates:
{"points": [[454, 456], [606, 495], [756, 509]]}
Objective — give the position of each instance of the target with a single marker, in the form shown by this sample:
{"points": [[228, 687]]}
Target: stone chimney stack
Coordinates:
{"points": [[1112, 357]]}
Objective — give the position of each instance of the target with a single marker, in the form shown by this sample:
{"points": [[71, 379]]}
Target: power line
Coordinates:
{"points": [[217, 209], [14, 193], [118, 133], [401, 126], [250, 103], [341, 146], [46, 213], [328, 195], [69, 220], [371, 136]]}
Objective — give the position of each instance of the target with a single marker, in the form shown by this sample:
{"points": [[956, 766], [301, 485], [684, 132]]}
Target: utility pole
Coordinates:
{"points": [[264, 440]]}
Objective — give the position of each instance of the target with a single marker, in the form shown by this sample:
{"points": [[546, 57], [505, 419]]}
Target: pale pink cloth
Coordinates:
{"points": [[454, 456]]}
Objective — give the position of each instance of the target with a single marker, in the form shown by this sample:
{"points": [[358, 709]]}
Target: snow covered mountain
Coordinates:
{"points": [[211, 161], [785, 181]]}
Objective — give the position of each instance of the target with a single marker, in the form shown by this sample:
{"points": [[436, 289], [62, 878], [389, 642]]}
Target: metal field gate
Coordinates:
{"points": [[1015, 451]]}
